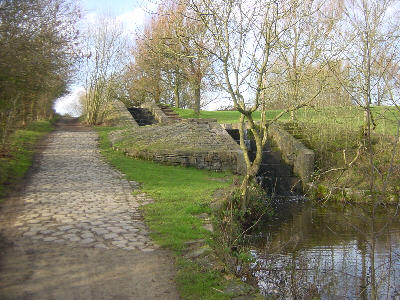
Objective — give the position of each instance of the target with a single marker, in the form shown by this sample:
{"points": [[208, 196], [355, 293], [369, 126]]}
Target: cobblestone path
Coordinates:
{"points": [[76, 197], [75, 200]]}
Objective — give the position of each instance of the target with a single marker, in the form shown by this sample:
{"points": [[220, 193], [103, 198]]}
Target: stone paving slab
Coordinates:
{"points": [[76, 197]]}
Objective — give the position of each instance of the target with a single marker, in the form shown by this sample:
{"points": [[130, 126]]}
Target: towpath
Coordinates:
{"points": [[75, 231]]}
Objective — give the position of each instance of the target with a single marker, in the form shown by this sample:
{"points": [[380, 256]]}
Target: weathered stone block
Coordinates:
{"points": [[293, 152], [119, 115]]}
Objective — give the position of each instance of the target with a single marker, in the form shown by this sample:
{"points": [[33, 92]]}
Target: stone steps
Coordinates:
{"points": [[169, 112]]}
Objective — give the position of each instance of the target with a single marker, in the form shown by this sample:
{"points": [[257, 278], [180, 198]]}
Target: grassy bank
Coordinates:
{"points": [[181, 194], [337, 137], [335, 134], [385, 117], [16, 160]]}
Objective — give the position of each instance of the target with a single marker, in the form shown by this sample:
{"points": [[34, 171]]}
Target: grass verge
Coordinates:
{"points": [[180, 194], [223, 117], [386, 117], [16, 160]]}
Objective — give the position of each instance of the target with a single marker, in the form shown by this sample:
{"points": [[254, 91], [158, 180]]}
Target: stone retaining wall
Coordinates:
{"points": [[293, 151], [200, 143], [215, 161], [120, 116], [157, 113]]}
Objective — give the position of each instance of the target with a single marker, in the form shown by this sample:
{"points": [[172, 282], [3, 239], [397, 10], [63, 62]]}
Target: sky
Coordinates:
{"points": [[132, 13], [116, 7]]}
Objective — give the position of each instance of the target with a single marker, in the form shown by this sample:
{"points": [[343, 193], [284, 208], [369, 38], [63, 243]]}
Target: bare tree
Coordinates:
{"points": [[245, 42], [190, 37], [168, 54], [106, 51], [370, 34], [302, 47]]}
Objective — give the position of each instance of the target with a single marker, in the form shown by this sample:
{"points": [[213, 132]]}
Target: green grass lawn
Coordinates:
{"points": [[180, 194], [385, 117], [223, 117], [18, 158]]}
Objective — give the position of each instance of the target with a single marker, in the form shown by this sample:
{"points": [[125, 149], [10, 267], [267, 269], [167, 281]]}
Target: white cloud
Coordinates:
{"points": [[132, 19], [91, 18], [135, 19], [70, 104]]}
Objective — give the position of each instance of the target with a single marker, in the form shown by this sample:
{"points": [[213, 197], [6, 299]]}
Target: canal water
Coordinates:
{"points": [[327, 252]]}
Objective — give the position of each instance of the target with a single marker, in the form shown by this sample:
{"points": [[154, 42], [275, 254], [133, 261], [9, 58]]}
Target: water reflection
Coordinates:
{"points": [[328, 253]]}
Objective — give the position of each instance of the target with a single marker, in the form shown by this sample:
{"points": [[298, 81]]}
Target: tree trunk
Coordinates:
{"points": [[293, 115], [196, 104], [176, 91], [251, 167], [157, 97], [374, 292], [32, 111], [363, 281]]}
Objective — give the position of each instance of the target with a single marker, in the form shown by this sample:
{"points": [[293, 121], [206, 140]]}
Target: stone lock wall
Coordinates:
{"points": [[200, 143], [214, 161], [293, 152], [120, 116], [157, 113]]}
